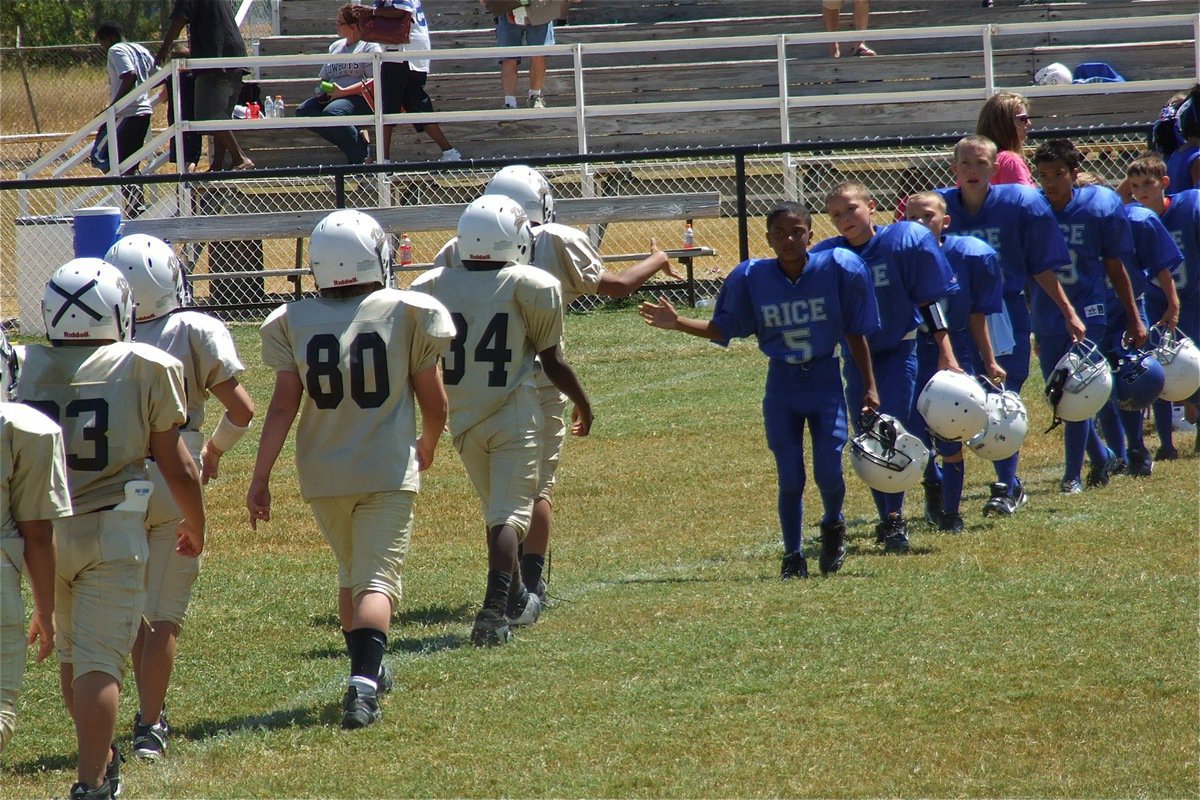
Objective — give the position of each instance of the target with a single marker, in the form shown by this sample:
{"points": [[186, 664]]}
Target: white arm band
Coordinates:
{"points": [[226, 434]]}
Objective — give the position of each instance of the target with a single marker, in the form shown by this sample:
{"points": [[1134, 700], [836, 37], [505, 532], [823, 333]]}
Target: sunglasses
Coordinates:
{"points": [[1021, 117]]}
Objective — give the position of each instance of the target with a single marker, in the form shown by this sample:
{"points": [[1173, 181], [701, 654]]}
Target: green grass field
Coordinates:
{"points": [[1050, 655]]}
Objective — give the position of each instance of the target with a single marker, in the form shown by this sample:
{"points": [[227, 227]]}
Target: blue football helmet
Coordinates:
{"points": [[1139, 379]]}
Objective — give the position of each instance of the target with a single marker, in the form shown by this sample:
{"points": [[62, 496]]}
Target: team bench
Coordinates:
{"points": [[298, 225]]}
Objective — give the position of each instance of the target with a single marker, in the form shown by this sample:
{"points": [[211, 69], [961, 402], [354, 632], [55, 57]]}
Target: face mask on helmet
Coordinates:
{"points": [[1180, 360], [529, 188], [1007, 425], [953, 406], [887, 457], [494, 228], [154, 273], [1139, 380], [88, 299], [1080, 383], [348, 248]]}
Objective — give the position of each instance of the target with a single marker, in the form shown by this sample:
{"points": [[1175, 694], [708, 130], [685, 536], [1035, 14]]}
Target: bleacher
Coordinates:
{"points": [[718, 76]]}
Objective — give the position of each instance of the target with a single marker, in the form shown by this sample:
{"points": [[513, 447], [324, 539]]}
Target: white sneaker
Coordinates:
{"points": [[451, 155], [536, 101], [508, 105], [529, 614]]}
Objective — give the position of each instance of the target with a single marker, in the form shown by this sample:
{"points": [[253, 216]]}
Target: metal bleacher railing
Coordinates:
{"points": [[35, 209]]}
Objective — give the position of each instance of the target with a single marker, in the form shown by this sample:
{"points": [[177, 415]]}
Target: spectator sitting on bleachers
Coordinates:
{"points": [[346, 99]]}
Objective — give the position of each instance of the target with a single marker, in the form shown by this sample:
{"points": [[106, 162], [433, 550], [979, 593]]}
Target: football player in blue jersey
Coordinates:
{"points": [[980, 292], [1019, 225], [910, 275], [1180, 215], [1098, 235], [800, 306], [1154, 255]]}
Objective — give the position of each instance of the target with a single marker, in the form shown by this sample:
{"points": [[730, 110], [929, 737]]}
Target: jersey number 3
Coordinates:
{"points": [[492, 348]]}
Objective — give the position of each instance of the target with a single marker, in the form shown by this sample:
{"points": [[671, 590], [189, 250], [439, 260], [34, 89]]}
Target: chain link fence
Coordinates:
{"points": [[40, 241]]}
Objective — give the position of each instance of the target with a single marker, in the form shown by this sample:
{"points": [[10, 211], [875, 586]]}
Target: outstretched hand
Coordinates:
{"points": [[666, 267], [659, 315]]}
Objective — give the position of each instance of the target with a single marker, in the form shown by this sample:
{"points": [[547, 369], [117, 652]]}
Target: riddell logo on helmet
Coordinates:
{"points": [[345, 281], [74, 335], [479, 257]]}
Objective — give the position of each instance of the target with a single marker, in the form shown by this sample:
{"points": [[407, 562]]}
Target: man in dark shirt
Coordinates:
{"points": [[212, 33]]}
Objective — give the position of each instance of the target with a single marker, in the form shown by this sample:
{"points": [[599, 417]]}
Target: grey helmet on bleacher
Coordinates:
{"points": [[348, 248], [154, 273], [529, 188], [495, 228], [88, 299]]}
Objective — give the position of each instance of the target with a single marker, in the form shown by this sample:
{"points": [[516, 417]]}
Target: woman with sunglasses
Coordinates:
{"points": [[1004, 119], [346, 99]]}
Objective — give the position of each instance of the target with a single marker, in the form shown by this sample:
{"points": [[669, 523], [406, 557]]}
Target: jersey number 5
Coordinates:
{"points": [[492, 348]]}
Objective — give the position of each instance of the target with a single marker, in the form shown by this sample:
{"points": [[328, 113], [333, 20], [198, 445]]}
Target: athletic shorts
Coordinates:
{"points": [[216, 93], [369, 534], [169, 576], [552, 434], [12, 634], [510, 35], [404, 90], [501, 457], [100, 589]]}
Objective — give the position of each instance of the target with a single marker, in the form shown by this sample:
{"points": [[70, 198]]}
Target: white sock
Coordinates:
{"points": [[364, 685], [535, 93], [510, 100]]}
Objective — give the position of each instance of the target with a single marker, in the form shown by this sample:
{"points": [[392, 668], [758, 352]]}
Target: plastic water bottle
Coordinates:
{"points": [[689, 236], [406, 254], [269, 108], [279, 106]]}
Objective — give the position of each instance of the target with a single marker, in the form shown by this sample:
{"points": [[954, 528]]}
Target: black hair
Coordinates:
{"points": [[110, 29], [1062, 150], [789, 207]]}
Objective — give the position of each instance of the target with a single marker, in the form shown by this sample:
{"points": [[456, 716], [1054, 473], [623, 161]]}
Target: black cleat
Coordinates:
{"points": [[491, 628], [1099, 474], [81, 791], [833, 546], [1166, 454], [794, 566], [895, 539], [360, 709], [933, 501], [1140, 463], [951, 523]]}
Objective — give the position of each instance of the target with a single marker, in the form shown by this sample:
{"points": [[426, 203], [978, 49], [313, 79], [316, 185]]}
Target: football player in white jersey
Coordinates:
{"points": [[33, 492], [116, 400], [506, 314], [210, 365], [569, 255], [351, 363]]}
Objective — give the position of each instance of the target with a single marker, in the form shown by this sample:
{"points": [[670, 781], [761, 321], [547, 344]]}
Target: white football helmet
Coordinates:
{"points": [[953, 406], [1180, 359], [88, 299], [8, 368], [1080, 383], [1055, 74], [886, 456], [1007, 425], [494, 228], [348, 248], [529, 188], [154, 273]]}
